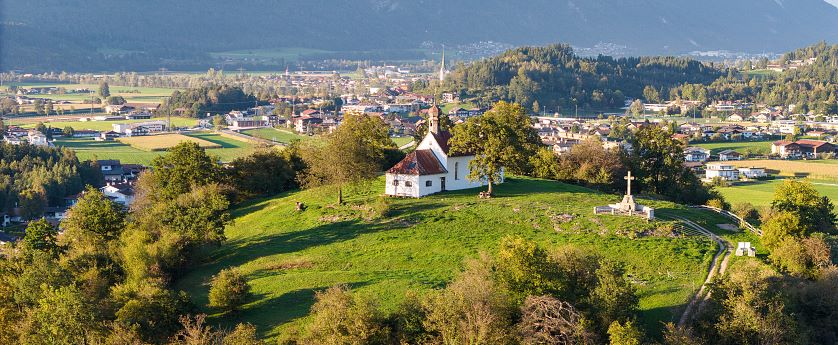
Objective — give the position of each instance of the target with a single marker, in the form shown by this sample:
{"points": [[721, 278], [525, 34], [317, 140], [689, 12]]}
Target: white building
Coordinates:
{"points": [[723, 171], [752, 173], [121, 193], [38, 139], [431, 168], [696, 154]]}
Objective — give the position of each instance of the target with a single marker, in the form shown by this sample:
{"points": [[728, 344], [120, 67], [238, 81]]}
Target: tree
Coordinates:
{"points": [[41, 235], [104, 90], [524, 268], [63, 317], [262, 172], [32, 203], [218, 122], [781, 226], [614, 297], [545, 164], [68, 132], [627, 333], [184, 166], [354, 152], [115, 100], [228, 290], [651, 94], [501, 140], [536, 108], [471, 310], [804, 257], [340, 317], [547, 320], [816, 212], [636, 108]]}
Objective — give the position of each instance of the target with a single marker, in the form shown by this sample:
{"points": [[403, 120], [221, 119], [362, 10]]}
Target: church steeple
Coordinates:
{"points": [[433, 119], [442, 66]]}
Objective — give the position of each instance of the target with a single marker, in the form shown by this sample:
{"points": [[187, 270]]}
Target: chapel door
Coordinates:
{"points": [[442, 183]]}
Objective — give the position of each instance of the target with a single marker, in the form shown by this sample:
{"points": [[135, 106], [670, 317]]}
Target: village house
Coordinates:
{"points": [[753, 172], [722, 171], [432, 167], [730, 155], [802, 148], [139, 128], [696, 154], [111, 170], [37, 138], [121, 193]]}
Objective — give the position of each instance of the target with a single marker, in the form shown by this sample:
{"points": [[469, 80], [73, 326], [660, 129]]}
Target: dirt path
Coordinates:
{"points": [[718, 266]]}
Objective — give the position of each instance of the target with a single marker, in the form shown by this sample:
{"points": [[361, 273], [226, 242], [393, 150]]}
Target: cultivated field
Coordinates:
{"points": [[131, 94], [385, 247], [164, 142], [87, 148], [826, 169]]}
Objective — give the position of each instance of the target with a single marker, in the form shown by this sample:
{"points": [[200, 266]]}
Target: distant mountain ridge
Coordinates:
{"points": [[646, 26]]}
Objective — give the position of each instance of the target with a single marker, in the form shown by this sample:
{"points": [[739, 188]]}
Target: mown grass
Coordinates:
{"points": [[755, 147], [99, 125], [278, 135], [761, 193], [87, 148], [131, 94], [164, 142], [420, 244]]}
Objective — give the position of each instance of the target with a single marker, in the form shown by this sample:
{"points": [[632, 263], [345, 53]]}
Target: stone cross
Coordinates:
{"points": [[629, 178]]}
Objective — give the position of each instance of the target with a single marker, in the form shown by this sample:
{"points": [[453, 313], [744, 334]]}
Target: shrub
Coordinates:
{"points": [[228, 290], [718, 203]]}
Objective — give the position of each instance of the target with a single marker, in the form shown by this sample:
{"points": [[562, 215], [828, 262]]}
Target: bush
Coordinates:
{"points": [[718, 203], [229, 290]]}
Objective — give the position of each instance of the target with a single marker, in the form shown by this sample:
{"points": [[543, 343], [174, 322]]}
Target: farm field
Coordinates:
{"points": [[87, 148], [826, 169], [761, 193], [753, 147], [164, 142], [97, 125], [131, 94], [277, 135], [385, 247]]}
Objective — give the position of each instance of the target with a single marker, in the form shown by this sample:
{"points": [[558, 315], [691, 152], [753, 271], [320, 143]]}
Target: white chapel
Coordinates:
{"points": [[431, 168]]}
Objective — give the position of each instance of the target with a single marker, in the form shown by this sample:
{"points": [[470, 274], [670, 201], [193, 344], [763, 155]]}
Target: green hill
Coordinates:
{"points": [[384, 247]]}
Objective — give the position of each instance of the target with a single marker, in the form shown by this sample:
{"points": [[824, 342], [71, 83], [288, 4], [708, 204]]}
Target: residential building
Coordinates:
{"points": [[730, 155], [723, 171], [696, 154], [752, 173]]}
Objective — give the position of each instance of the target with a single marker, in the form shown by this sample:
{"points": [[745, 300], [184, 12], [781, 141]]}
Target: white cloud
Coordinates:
{"points": [[833, 2]]}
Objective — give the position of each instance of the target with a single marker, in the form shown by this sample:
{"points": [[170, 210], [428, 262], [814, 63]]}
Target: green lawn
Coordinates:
{"points": [[102, 125], [279, 135], [87, 148], [290, 54], [131, 94], [287, 256], [755, 147], [761, 193], [401, 141]]}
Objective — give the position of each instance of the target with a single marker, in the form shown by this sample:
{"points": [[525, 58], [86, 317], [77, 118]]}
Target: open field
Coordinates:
{"points": [[753, 147], [87, 148], [761, 193], [164, 142], [290, 54], [401, 141], [131, 94], [420, 244], [826, 169], [278, 135], [61, 122]]}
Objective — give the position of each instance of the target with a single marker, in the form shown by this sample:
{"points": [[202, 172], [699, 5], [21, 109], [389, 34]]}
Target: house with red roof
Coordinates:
{"points": [[432, 167]]}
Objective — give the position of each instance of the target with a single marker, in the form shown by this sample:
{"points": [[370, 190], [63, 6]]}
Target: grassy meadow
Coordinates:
{"points": [[383, 247], [131, 94], [754, 147], [95, 125], [164, 142], [278, 135], [761, 193], [87, 148]]}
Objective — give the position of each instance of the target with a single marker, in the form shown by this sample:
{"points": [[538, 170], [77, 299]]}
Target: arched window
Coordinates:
{"points": [[456, 170]]}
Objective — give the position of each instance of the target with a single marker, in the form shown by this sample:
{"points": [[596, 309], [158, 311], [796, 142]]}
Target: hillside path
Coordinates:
{"points": [[719, 264]]}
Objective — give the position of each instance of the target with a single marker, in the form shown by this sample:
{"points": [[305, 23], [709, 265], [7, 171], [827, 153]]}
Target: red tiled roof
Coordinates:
{"points": [[782, 143], [811, 143], [419, 162]]}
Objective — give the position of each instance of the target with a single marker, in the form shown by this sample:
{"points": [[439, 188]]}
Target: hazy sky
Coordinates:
{"points": [[834, 2]]}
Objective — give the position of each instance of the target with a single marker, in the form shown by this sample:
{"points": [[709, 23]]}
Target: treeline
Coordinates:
{"points": [[106, 279], [525, 294], [215, 99], [34, 177], [811, 87], [555, 77]]}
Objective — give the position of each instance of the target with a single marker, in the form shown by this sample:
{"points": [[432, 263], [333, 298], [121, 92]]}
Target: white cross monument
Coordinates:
{"points": [[628, 206]]}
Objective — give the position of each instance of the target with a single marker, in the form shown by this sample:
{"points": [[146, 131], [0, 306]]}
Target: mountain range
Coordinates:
{"points": [[47, 32]]}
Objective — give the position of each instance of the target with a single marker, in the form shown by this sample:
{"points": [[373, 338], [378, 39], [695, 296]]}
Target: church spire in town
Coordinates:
{"points": [[442, 66]]}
